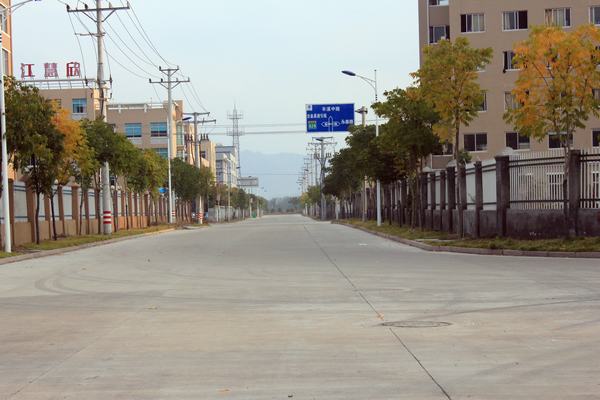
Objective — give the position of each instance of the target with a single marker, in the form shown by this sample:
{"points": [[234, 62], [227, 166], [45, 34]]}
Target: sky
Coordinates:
{"points": [[268, 57]]}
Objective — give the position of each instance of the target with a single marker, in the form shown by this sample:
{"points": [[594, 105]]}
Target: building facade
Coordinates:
{"points": [[145, 125], [227, 166], [6, 26], [499, 25]]}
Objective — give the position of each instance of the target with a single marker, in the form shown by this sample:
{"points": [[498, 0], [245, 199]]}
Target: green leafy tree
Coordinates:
{"points": [[35, 144], [186, 180], [409, 136], [448, 79]]}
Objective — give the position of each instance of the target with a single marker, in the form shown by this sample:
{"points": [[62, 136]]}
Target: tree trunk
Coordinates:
{"points": [[83, 191], [461, 211]]}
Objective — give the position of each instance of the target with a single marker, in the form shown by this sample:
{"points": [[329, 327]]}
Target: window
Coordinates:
{"points": [[476, 142], [596, 93], [472, 23], [596, 138], [6, 62], [203, 154], [437, 33], [510, 102], [483, 105], [158, 129], [595, 15], [438, 2], [133, 130], [3, 19], [555, 142], [517, 142], [509, 61], [79, 106], [558, 17], [164, 153], [514, 20]]}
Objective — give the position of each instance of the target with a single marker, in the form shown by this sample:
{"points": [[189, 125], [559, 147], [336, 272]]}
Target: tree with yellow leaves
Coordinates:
{"points": [[76, 160], [448, 79], [555, 89]]}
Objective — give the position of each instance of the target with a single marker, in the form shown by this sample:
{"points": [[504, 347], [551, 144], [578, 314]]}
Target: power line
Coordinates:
{"points": [[144, 34], [136, 42], [78, 42], [114, 32], [130, 59]]}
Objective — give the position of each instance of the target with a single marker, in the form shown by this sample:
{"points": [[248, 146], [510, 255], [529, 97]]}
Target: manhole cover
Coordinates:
{"points": [[416, 324]]}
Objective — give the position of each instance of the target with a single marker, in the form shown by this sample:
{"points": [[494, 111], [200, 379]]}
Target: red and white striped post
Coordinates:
{"points": [[107, 218]]}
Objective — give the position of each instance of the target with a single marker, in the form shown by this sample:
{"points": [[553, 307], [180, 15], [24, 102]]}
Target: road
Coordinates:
{"points": [[286, 307]]}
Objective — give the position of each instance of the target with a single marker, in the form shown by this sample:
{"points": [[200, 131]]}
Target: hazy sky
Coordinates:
{"points": [[271, 57]]}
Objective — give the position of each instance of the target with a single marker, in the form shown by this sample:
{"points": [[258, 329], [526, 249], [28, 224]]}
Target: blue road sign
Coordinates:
{"points": [[329, 117]]}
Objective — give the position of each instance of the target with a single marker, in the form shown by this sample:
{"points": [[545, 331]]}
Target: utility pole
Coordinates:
{"points": [[235, 132], [363, 113], [322, 157], [197, 141], [97, 15], [169, 84]]}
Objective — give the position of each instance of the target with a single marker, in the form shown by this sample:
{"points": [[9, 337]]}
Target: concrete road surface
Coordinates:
{"points": [[288, 308]]}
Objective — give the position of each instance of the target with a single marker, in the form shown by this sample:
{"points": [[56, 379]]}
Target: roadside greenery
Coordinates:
{"points": [[443, 239]]}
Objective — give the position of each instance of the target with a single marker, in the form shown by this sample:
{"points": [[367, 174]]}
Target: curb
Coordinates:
{"points": [[476, 251], [56, 252]]}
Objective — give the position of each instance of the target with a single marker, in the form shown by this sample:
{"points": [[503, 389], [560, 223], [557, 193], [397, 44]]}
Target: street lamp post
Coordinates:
{"points": [[373, 84], [5, 192]]}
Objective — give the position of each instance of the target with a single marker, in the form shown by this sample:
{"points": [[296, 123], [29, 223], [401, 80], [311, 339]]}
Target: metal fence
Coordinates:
{"points": [[590, 179], [536, 180]]}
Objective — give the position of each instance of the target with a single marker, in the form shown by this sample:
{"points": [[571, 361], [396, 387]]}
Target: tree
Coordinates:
{"points": [[76, 158], [101, 138], [555, 89], [186, 180], [35, 145], [448, 80], [409, 136]]}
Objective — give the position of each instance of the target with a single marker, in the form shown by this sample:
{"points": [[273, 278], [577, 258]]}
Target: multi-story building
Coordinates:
{"points": [[227, 165], [145, 125], [499, 25], [6, 26], [208, 152]]}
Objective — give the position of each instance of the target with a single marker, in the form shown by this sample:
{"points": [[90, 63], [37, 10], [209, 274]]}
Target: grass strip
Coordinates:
{"points": [[73, 241], [583, 244]]}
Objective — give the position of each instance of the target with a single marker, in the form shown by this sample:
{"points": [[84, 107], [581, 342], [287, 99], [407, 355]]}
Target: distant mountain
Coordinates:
{"points": [[278, 173]]}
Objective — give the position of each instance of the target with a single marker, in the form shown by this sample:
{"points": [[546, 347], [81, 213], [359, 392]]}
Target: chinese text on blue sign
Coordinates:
{"points": [[329, 117]]}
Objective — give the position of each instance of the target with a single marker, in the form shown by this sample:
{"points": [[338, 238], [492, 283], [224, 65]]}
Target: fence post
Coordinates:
{"points": [[442, 198], [75, 207], [433, 199], [61, 209], [478, 198], [502, 193], [451, 176], [403, 201], [31, 204], [424, 202], [86, 205], [574, 191], [11, 203]]}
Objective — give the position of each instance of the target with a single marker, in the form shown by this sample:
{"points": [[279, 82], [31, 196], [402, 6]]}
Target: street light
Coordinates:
{"points": [[5, 195], [373, 84]]}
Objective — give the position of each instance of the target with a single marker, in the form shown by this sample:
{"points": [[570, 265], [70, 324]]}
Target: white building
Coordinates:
{"points": [[227, 166]]}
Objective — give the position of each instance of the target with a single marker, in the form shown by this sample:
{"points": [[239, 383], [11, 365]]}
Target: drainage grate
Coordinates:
{"points": [[416, 324]]}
